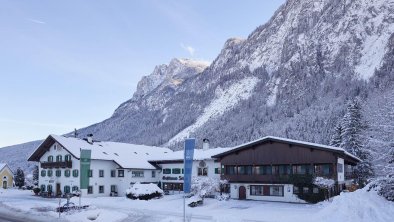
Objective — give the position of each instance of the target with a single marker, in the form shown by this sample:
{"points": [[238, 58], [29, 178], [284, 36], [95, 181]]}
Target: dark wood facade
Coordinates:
{"points": [[274, 153]]}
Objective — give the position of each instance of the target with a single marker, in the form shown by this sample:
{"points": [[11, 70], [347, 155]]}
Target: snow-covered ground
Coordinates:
{"points": [[357, 206]]}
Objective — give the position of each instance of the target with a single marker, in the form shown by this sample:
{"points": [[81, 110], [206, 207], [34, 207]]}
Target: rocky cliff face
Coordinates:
{"points": [[290, 77]]}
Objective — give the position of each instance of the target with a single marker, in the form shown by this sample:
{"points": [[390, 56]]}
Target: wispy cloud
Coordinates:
{"points": [[188, 48], [36, 21]]}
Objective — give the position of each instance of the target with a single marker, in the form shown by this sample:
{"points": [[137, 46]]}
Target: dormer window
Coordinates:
{"points": [[50, 158], [59, 158]]}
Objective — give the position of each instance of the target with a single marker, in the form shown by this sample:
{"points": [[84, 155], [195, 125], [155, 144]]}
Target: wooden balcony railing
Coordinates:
{"points": [[270, 178], [350, 175], [64, 164]]}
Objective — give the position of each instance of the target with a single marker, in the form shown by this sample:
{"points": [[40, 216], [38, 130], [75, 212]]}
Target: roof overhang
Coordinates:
{"points": [[270, 139], [44, 147]]}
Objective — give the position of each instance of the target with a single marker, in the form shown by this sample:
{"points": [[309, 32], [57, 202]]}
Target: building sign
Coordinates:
{"points": [[85, 167], [172, 178], [188, 163]]}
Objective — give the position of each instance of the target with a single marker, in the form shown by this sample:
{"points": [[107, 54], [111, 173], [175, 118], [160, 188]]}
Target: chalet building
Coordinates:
{"points": [[171, 165], [113, 167], [6, 176], [263, 169]]}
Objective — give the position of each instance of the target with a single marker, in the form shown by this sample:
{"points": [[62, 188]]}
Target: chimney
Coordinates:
{"points": [[90, 138], [205, 144]]}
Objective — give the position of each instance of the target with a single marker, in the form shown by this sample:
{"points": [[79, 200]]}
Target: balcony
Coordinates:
{"points": [[272, 178], [64, 164]]}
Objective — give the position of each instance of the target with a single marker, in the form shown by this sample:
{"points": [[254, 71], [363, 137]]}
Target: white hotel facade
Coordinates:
{"points": [[114, 167]]}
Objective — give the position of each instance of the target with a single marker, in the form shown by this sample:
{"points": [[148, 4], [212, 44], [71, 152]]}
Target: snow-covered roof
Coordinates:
{"points": [[199, 154], [126, 155], [290, 141], [3, 165]]}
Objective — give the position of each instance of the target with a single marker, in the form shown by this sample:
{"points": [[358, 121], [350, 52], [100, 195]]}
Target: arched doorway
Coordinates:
{"points": [[5, 184], [242, 193]]}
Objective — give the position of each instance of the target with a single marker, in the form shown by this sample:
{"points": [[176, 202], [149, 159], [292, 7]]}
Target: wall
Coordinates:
{"points": [[63, 180], [210, 164], [341, 175], [6, 172], [288, 195]]}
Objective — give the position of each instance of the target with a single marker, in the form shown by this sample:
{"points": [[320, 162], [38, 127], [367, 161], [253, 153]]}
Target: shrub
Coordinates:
{"points": [[36, 190], [144, 191]]}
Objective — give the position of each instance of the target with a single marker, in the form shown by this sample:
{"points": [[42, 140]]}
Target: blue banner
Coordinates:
{"points": [[188, 164]]}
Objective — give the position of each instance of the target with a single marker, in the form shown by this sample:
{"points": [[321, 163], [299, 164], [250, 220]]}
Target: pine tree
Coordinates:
{"points": [[336, 139], [351, 141], [35, 176], [19, 178]]}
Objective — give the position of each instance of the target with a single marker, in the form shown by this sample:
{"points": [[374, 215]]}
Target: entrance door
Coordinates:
{"points": [[4, 184], [58, 190], [242, 193]]}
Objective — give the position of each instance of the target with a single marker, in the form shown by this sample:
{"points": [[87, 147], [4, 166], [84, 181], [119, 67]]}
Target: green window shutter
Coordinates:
{"points": [[58, 173], [43, 173], [50, 173], [75, 173], [67, 173]]}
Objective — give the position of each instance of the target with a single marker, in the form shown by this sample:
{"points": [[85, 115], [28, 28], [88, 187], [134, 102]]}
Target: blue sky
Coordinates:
{"points": [[69, 64]]}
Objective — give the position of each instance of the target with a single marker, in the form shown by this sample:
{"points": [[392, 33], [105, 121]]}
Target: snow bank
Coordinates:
{"points": [[357, 206], [139, 189]]}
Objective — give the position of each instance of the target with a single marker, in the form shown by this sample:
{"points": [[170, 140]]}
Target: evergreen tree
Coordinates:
{"points": [[19, 178], [35, 176], [336, 139], [351, 141]]}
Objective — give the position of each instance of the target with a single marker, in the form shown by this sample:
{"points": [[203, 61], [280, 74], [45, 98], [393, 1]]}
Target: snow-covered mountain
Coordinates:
{"points": [[291, 77]]}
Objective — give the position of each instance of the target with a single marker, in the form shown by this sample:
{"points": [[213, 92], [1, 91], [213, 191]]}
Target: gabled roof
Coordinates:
{"points": [[125, 155], [288, 141], [199, 154], [4, 165]]}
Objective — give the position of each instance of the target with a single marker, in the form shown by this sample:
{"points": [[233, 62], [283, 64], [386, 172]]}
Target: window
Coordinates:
{"points": [[120, 173], [167, 171], [153, 174], [315, 190], [245, 170], [50, 173], [113, 173], [256, 190], [302, 169], [340, 168], [42, 188], [323, 169], [176, 171], [305, 189], [75, 188], [67, 173], [75, 173], [90, 189], [296, 190], [276, 190], [183, 171], [138, 173], [263, 170], [202, 171], [275, 170], [59, 158], [101, 189], [67, 158], [66, 189], [43, 173], [55, 147], [113, 188], [284, 169], [90, 173], [58, 173], [101, 173], [50, 158], [49, 188], [231, 170], [217, 171]]}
